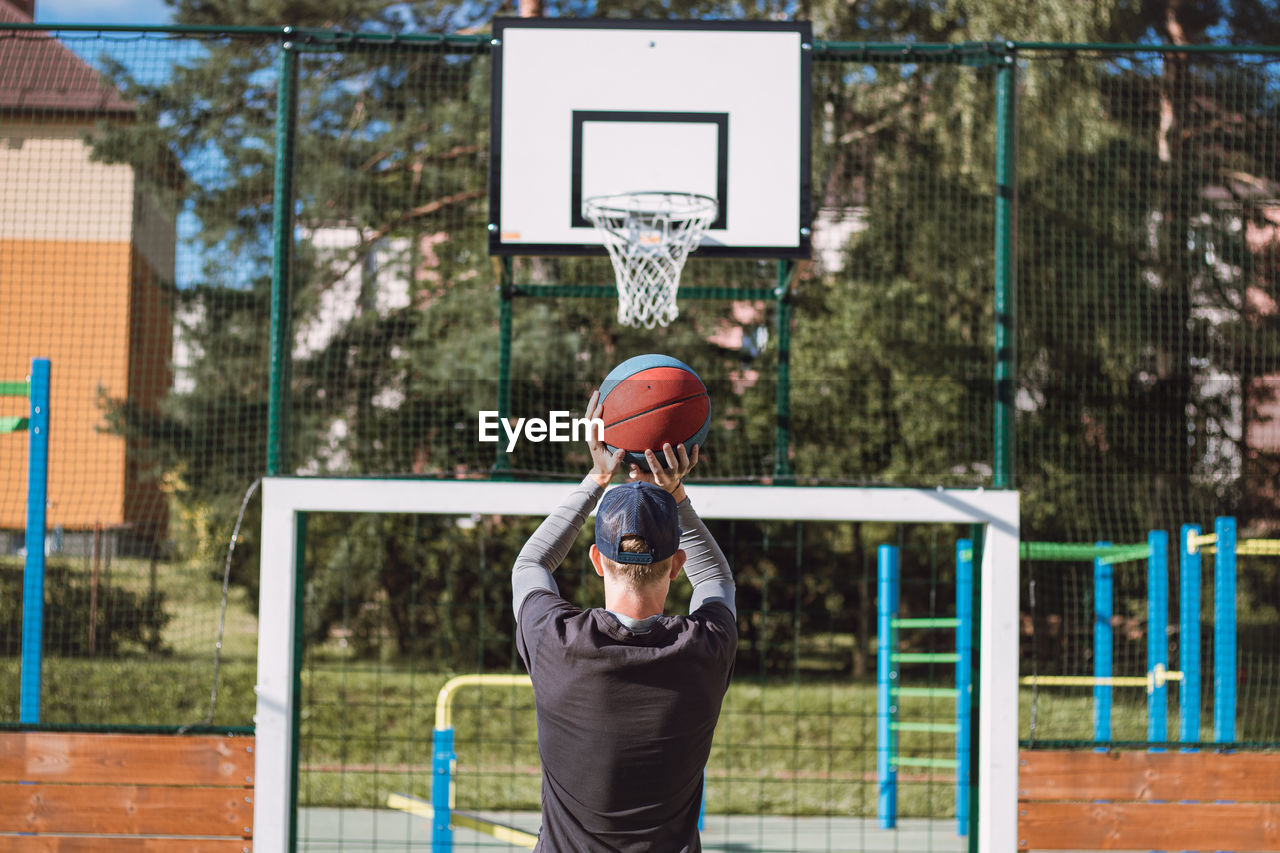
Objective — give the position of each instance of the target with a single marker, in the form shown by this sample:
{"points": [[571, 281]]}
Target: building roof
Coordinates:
{"points": [[38, 73]]}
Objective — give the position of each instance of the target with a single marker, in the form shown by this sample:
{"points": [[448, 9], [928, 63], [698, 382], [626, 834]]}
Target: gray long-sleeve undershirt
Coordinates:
{"points": [[705, 564]]}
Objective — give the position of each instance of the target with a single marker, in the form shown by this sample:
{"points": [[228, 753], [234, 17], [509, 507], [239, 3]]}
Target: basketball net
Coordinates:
{"points": [[649, 235]]}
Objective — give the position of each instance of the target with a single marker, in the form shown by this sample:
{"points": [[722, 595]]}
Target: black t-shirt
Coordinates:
{"points": [[625, 722]]}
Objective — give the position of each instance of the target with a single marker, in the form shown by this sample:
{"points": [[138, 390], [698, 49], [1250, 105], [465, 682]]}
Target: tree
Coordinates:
{"points": [[397, 312], [1142, 351], [395, 344]]}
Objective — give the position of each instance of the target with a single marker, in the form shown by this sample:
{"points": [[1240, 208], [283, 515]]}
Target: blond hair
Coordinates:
{"points": [[637, 576]]}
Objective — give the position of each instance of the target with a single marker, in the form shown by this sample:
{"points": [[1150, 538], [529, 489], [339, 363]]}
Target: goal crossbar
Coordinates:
{"points": [[286, 501]]}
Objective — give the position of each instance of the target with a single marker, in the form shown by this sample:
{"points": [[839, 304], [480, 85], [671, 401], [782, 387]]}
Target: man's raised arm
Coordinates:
{"points": [[550, 543], [705, 564], [546, 549]]}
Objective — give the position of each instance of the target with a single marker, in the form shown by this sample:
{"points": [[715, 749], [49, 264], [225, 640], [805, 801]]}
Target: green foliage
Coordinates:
{"points": [[131, 691], [436, 590], [80, 621], [1138, 345], [421, 587]]}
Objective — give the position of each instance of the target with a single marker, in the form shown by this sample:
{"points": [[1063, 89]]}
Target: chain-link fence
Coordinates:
{"points": [[1111, 241]]}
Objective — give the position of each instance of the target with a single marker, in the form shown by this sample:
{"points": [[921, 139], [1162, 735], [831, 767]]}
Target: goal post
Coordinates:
{"points": [[288, 500]]}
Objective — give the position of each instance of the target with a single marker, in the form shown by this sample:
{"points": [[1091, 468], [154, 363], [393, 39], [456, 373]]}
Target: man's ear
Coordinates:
{"points": [[596, 558], [677, 562]]}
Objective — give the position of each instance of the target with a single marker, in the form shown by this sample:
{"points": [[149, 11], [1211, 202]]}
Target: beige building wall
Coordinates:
{"points": [[78, 285], [50, 189]]}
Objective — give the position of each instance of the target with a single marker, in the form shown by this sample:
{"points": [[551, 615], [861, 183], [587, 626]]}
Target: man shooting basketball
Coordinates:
{"points": [[627, 697]]}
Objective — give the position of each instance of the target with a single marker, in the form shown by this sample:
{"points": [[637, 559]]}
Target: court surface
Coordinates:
{"points": [[375, 831]]}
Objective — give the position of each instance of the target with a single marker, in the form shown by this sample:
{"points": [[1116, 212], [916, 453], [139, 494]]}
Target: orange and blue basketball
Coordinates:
{"points": [[651, 400]]}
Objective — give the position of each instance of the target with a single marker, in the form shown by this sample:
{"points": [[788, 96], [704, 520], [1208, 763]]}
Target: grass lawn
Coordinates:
{"points": [[779, 749], [806, 748], [167, 687]]}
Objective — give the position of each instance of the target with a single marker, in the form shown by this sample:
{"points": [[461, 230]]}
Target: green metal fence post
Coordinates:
{"points": [[282, 260], [1005, 268], [506, 294], [299, 650], [782, 443]]}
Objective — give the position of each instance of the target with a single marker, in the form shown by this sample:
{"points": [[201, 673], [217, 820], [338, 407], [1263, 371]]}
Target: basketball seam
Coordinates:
{"points": [[665, 405]]}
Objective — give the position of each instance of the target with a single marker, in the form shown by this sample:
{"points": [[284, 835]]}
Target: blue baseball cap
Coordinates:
{"points": [[638, 509]]}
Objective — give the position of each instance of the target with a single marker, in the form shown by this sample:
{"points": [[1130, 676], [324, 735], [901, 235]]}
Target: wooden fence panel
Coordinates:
{"points": [[1061, 775], [137, 759], [112, 793], [1148, 826], [1140, 800]]}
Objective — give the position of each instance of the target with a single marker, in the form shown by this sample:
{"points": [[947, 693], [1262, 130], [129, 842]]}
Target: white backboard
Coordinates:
{"points": [[595, 107]]}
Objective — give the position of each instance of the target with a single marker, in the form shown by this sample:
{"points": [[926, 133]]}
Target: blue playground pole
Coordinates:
{"points": [[442, 759], [1224, 631], [964, 672], [702, 804], [887, 677], [33, 572], [1158, 633], [1189, 635], [1103, 608]]}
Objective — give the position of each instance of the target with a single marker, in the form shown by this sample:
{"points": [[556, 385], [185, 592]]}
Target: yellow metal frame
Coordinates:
{"points": [[1157, 677], [444, 720], [422, 809], [444, 699], [1206, 542]]}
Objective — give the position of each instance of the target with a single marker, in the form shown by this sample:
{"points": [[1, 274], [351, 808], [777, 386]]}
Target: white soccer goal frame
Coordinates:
{"points": [[286, 500]]}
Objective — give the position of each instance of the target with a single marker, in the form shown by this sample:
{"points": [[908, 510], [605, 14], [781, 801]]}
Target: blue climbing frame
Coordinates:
{"points": [[889, 687], [1189, 627]]}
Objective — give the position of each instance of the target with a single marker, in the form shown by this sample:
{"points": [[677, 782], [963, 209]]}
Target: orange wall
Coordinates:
{"points": [[69, 302], [86, 254]]}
